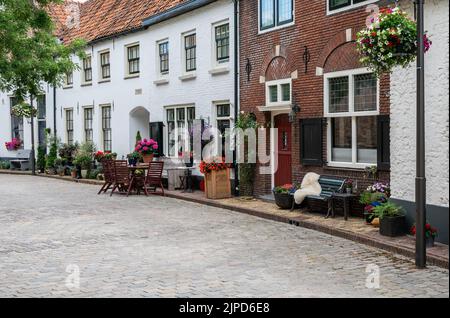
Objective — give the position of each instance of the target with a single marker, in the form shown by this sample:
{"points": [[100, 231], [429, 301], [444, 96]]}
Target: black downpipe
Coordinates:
{"points": [[54, 111], [236, 90]]}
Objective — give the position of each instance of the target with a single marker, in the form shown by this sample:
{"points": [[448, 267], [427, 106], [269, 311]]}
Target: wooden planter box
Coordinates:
{"points": [[217, 184]]}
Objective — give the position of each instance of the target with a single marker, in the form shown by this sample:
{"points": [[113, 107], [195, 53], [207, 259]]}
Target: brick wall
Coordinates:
{"points": [[327, 40]]}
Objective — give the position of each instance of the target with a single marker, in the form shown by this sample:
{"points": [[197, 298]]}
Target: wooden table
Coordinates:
{"points": [[346, 198]]}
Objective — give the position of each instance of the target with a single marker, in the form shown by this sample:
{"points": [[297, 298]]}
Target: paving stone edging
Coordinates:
{"points": [[356, 237]]}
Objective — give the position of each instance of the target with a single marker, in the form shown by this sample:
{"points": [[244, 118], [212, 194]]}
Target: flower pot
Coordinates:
{"points": [[283, 200], [148, 158], [84, 173], [348, 190], [73, 174], [392, 226], [217, 184], [429, 241]]}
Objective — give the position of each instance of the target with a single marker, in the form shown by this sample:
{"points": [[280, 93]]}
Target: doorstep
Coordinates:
{"points": [[354, 229]]}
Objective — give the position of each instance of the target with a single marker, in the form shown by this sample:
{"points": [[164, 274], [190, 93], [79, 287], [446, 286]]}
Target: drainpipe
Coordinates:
{"points": [[236, 90], [33, 157], [54, 111], [421, 254]]}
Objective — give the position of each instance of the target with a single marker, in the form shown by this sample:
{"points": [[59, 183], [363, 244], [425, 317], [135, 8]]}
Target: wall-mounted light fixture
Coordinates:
{"points": [[295, 108], [248, 69]]}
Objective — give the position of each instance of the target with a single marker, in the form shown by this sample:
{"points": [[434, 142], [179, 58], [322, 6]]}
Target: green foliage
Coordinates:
{"points": [[85, 155], [388, 209], [52, 155], [41, 162], [368, 197], [138, 137], [30, 54], [4, 164], [67, 152]]}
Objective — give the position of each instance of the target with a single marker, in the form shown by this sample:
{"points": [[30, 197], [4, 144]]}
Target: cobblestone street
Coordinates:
{"points": [[161, 247]]}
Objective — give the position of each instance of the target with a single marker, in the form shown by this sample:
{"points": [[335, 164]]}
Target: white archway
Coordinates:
{"points": [[139, 121]]}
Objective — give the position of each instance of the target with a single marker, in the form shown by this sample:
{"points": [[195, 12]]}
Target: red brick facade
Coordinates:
{"points": [[279, 53]]}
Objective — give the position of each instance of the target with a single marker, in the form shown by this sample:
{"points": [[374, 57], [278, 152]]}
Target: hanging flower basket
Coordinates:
{"points": [[23, 110], [390, 40]]}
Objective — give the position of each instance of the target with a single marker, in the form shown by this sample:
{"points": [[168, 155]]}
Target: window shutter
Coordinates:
{"points": [[383, 143], [156, 133], [311, 142]]}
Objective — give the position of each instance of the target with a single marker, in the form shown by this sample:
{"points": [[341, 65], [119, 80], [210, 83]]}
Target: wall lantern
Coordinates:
{"points": [[294, 110]]}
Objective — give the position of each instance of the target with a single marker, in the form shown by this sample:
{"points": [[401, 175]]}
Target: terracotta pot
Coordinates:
{"points": [[148, 158], [73, 174]]}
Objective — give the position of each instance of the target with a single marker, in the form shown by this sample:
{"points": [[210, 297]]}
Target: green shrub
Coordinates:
{"points": [[41, 162], [52, 156], [388, 209], [4, 164]]}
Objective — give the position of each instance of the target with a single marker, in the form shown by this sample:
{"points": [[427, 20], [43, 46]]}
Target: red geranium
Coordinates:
{"points": [[429, 230], [214, 165]]}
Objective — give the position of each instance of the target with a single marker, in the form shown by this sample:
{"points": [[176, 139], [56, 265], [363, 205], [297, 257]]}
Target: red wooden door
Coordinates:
{"points": [[283, 175]]}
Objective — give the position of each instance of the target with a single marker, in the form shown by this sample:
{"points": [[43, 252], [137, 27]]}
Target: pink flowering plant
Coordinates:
{"points": [[146, 146], [389, 40], [14, 144]]}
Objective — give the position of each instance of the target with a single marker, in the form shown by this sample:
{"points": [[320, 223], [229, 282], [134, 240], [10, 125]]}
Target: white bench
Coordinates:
{"points": [[22, 161]]}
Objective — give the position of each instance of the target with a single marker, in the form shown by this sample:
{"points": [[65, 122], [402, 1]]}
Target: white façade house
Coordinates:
{"points": [[151, 66]]}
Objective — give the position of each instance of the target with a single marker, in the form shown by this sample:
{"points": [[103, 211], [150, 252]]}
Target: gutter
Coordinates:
{"points": [[175, 11], [236, 89]]}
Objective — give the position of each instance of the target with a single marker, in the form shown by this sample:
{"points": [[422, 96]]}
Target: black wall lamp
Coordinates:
{"points": [[295, 109], [248, 69]]}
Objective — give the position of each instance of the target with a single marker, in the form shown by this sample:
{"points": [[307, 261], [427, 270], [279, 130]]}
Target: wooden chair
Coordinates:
{"points": [[108, 172], [153, 179], [121, 176]]}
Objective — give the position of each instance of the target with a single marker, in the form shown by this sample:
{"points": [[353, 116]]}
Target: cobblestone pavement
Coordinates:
{"points": [[162, 247]]}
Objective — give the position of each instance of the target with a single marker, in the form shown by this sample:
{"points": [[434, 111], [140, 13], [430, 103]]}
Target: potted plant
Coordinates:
{"points": [[134, 158], [392, 219], [372, 197], [84, 162], [40, 162], [217, 178], [13, 145], [147, 148], [67, 152], [51, 157], [283, 195], [430, 234], [348, 185], [74, 172], [389, 41], [110, 155]]}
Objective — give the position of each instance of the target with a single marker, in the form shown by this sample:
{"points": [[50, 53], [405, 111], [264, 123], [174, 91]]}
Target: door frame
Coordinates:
{"points": [[274, 143]]}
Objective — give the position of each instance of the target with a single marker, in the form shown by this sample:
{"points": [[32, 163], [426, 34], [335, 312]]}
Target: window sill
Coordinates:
{"points": [[276, 28], [86, 84], [188, 76], [349, 7], [130, 76], [275, 108], [67, 87], [219, 70], [348, 166], [161, 81], [104, 81]]}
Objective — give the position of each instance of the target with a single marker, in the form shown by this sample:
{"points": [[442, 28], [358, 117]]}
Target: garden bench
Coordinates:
{"points": [[22, 161], [329, 186]]}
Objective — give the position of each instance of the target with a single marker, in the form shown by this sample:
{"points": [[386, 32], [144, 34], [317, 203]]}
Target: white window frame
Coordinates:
{"points": [[351, 113], [277, 26], [166, 143], [91, 107], [183, 54], [83, 74], [127, 67], [347, 8], [278, 83], [159, 73], [66, 83], [215, 62], [100, 73], [100, 120], [66, 128]]}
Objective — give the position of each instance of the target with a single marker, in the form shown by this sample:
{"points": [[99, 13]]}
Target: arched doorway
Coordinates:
{"points": [[139, 121]]}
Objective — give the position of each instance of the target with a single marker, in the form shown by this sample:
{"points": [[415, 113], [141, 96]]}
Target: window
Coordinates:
{"points": [[223, 121], [222, 34], [133, 59], [69, 126], [88, 130], [278, 92], [340, 5], [105, 66], [68, 79], [274, 13], [41, 118], [163, 57], [180, 122], [190, 47], [351, 103], [87, 69], [106, 128], [16, 123]]}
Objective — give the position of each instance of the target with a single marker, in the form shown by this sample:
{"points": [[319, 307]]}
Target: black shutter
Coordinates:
{"points": [[383, 143], [157, 133], [311, 141]]}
